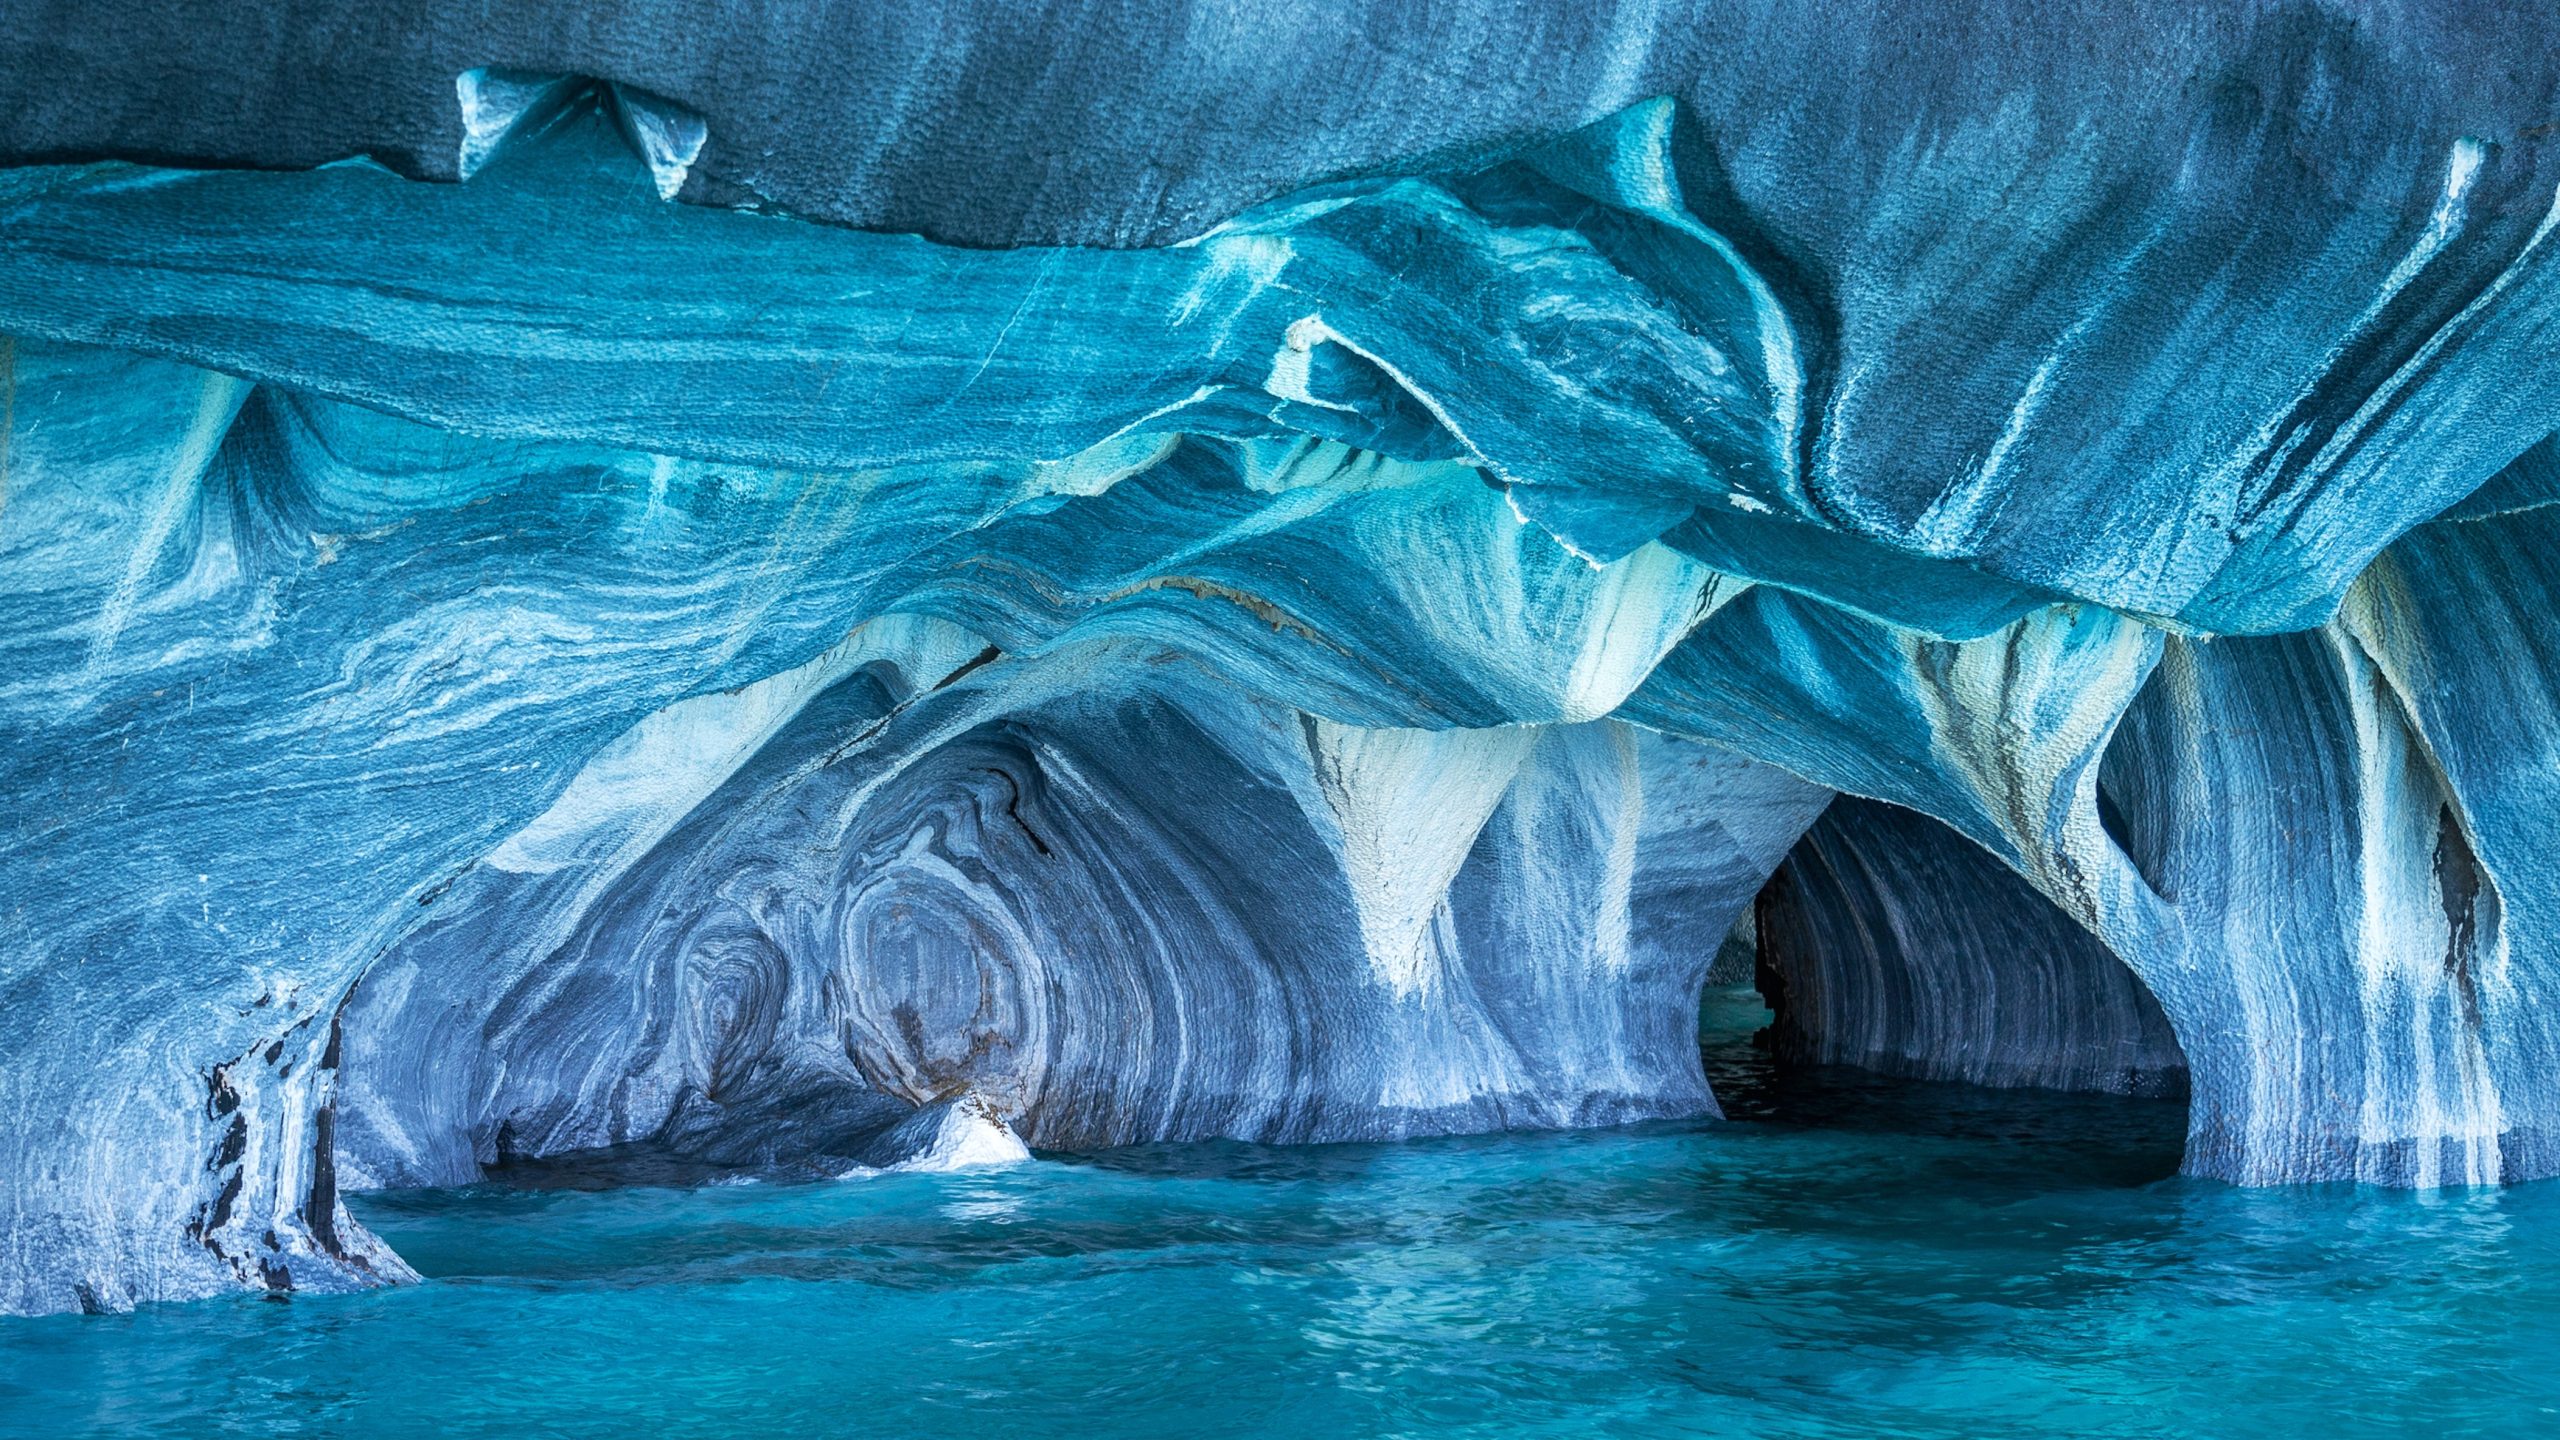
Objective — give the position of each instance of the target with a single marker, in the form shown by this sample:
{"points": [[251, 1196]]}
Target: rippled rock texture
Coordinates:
{"points": [[539, 624]]}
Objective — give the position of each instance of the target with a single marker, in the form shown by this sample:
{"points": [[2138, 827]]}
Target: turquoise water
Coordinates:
{"points": [[1855, 1259]]}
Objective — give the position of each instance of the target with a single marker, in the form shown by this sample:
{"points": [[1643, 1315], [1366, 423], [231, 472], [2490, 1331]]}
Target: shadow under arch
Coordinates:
{"points": [[1889, 942]]}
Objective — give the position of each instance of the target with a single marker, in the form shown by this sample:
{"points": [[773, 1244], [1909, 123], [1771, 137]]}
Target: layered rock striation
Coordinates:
{"points": [[530, 634]]}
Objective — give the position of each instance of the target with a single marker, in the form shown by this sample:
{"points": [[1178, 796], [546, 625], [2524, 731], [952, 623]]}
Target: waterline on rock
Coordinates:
{"points": [[1876, 1259]]}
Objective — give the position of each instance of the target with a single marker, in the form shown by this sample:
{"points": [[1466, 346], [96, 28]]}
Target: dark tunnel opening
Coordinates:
{"points": [[1894, 977]]}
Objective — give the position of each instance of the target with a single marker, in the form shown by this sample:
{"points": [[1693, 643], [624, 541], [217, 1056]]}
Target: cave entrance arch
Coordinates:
{"points": [[1888, 946]]}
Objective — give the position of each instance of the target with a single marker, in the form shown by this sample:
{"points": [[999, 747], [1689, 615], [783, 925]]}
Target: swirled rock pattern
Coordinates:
{"points": [[1114, 917], [1309, 624]]}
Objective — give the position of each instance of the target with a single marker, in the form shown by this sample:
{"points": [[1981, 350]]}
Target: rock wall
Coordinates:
{"points": [[502, 667]]}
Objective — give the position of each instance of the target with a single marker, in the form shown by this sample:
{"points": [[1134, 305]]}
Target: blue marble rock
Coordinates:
{"points": [[904, 586], [1890, 943]]}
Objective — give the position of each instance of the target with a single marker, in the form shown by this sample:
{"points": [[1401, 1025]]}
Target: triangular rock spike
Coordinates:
{"points": [[497, 103], [667, 136]]}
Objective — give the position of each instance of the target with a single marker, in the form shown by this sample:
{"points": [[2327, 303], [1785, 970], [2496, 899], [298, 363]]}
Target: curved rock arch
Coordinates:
{"points": [[393, 566]]}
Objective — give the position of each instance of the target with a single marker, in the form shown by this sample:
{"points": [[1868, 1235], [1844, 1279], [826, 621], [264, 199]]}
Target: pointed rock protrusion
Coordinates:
{"points": [[963, 1132], [1407, 805], [498, 103], [667, 136], [1597, 526]]}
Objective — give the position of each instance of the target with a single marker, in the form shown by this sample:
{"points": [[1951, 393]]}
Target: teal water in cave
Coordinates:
{"points": [[1847, 1258]]}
